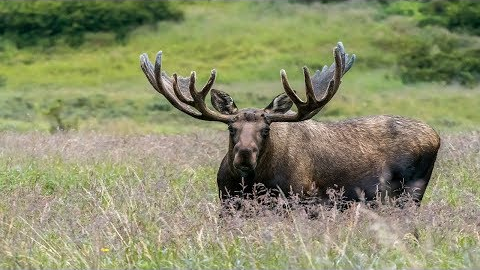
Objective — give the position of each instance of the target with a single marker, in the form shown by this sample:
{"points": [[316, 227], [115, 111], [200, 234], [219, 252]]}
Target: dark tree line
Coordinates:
{"points": [[29, 23]]}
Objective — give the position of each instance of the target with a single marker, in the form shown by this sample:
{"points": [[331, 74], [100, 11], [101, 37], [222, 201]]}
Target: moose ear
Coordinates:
{"points": [[280, 104], [222, 102]]}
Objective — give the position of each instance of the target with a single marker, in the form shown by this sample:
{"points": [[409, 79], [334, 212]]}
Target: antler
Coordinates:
{"points": [[319, 89], [181, 92]]}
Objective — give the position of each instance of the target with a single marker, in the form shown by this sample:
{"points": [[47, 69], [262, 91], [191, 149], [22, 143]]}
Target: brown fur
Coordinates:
{"points": [[387, 155]]}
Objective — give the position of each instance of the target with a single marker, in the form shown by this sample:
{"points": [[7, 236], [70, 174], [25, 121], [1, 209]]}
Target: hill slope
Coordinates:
{"points": [[100, 86]]}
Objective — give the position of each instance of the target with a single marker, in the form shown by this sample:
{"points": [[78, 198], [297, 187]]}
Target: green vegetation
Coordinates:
{"points": [[44, 22], [424, 61], [455, 15], [435, 56], [460, 16], [101, 87]]}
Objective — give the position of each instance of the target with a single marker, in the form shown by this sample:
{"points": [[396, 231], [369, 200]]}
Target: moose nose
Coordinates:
{"points": [[245, 158], [245, 153]]}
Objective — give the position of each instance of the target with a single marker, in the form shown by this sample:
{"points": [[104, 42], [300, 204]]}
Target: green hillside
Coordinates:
{"points": [[99, 85]]}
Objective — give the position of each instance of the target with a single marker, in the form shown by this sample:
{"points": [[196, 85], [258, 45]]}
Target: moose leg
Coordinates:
{"points": [[416, 185], [419, 183]]}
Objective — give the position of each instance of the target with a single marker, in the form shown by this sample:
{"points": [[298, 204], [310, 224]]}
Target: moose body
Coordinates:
{"points": [[387, 155], [284, 151]]}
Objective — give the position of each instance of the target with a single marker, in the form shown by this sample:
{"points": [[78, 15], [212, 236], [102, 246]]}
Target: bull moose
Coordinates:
{"points": [[284, 150]]}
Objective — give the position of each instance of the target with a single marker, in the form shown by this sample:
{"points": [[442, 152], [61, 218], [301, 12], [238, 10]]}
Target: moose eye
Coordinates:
{"points": [[265, 132], [231, 130]]}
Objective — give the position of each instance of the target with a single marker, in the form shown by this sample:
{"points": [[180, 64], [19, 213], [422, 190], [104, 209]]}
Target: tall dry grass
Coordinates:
{"points": [[100, 201]]}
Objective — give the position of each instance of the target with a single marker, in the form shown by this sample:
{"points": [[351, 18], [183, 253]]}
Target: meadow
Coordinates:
{"points": [[130, 182], [89, 200]]}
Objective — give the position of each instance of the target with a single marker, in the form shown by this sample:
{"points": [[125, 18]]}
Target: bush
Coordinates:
{"points": [[43, 22], [405, 8], [441, 58], [437, 55], [3, 81], [455, 15], [459, 16], [16, 108], [58, 120], [321, 1]]}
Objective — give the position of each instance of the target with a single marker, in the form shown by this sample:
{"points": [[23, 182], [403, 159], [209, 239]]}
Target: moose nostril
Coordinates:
{"points": [[244, 152], [245, 156]]}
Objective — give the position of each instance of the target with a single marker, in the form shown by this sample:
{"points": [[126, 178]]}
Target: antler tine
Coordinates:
{"points": [[179, 93], [206, 88], [158, 73], [168, 95], [199, 100], [350, 62], [308, 86], [172, 92], [340, 59], [342, 53], [324, 82], [288, 90], [338, 53], [147, 69], [334, 84]]}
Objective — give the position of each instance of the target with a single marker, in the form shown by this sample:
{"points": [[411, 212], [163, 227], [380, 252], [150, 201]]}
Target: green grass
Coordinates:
{"points": [[102, 88], [254, 44], [447, 108]]}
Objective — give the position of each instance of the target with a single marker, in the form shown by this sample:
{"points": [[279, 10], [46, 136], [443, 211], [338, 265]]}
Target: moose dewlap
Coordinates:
{"points": [[285, 151]]}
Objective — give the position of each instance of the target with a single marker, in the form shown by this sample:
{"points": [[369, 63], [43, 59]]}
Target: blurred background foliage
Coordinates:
{"points": [[443, 57], [44, 22], [74, 64]]}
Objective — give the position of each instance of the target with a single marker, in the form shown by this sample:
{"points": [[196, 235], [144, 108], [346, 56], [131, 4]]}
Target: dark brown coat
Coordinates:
{"points": [[366, 156]]}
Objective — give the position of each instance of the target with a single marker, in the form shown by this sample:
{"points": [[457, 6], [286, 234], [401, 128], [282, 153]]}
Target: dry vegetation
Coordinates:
{"points": [[100, 201]]}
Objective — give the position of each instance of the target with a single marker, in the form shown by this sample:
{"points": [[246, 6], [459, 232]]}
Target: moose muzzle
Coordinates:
{"points": [[245, 158]]}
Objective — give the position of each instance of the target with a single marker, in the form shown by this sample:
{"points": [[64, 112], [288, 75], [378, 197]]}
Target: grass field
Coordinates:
{"points": [[148, 201], [131, 184]]}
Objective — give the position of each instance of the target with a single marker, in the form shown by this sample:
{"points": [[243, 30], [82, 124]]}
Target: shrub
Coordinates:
{"points": [[17, 108], [437, 55], [321, 1], [455, 15], [43, 22], [441, 58], [56, 116], [3, 81], [405, 8], [460, 16]]}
